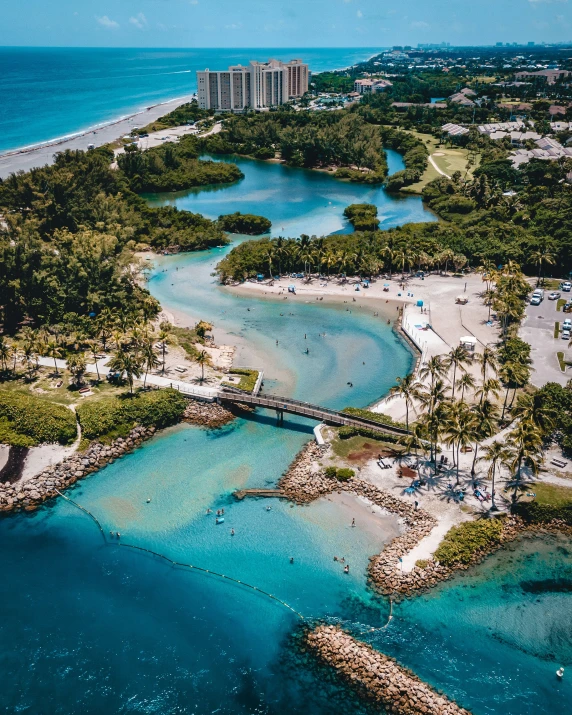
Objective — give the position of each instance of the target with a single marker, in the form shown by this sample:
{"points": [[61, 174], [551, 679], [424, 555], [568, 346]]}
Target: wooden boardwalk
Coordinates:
{"points": [[305, 409], [276, 493]]}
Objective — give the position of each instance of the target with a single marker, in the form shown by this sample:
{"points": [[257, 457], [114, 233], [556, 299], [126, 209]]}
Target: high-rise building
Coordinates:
{"points": [[258, 86]]}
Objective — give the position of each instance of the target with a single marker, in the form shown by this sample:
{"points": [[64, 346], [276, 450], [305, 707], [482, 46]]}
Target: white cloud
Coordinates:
{"points": [[359, 13], [193, 2], [420, 25], [233, 26], [140, 21], [537, 2], [106, 22]]}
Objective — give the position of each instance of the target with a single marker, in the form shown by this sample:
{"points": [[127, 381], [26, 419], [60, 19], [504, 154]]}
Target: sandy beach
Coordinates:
{"points": [[27, 158]]}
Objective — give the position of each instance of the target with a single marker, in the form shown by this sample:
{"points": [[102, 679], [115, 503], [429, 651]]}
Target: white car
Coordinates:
{"points": [[535, 300], [567, 287], [565, 334]]}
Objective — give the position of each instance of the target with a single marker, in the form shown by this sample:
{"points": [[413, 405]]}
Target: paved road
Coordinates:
{"points": [[538, 330]]}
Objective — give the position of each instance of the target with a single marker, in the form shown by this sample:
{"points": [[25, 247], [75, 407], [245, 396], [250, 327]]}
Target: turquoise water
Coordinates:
{"points": [[88, 626], [297, 200], [90, 86]]}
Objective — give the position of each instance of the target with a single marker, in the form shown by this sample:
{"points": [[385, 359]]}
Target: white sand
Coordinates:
{"points": [[26, 158]]}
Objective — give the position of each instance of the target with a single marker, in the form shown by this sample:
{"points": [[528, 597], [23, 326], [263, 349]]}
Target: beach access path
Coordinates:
{"points": [[25, 159], [189, 388]]}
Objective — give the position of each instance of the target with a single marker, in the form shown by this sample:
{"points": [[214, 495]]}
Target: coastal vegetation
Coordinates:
{"points": [[113, 417], [187, 113], [173, 167], [363, 217], [248, 224], [462, 543], [247, 377], [26, 420]]}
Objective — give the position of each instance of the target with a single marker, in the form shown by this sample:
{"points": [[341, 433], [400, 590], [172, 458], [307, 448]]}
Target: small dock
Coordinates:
{"points": [[275, 493]]}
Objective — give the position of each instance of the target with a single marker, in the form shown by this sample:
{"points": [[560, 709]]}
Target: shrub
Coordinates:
{"points": [[422, 563], [344, 474], [115, 416], [331, 472], [373, 416], [462, 543], [26, 420], [247, 380], [348, 431], [535, 513], [249, 224]]}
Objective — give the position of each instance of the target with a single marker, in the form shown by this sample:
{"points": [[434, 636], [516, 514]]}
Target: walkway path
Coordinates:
{"points": [[206, 393], [437, 169]]}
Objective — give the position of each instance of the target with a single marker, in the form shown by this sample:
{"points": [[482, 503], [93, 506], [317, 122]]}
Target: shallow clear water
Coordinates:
{"points": [[89, 86], [93, 627], [298, 200]]}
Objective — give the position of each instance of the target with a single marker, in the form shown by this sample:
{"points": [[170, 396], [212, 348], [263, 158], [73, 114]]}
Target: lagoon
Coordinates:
{"points": [[91, 627], [297, 200]]}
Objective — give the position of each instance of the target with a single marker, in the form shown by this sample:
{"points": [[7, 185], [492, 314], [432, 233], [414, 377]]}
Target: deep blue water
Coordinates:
{"points": [[52, 92]]}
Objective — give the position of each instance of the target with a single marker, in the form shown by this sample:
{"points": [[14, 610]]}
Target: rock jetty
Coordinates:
{"points": [[28, 495], [376, 676], [207, 414], [306, 480]]}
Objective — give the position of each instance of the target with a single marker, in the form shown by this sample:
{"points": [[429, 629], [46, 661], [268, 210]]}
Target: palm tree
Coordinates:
{"points": [[128, 362], [514, 375], [54, 351], [76, 365], [407, 388], [495, 454], [203, 359], [490, 386], [433, 399], [459, 430], [93, 349], [150, 359], [526, 439], [387, 252], [533, 410], [434, 368], [486, 415], [542, 255], [487, 359], [456, 358], [28, 349], [166, 337], [5, 352], [465, 382]]}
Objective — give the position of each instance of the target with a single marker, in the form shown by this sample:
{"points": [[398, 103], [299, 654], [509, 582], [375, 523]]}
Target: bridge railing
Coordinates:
{"points": [[308, 410]]}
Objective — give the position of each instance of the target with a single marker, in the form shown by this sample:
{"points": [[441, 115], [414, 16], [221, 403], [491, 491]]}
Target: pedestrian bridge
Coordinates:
{"points": [[305, 409]]}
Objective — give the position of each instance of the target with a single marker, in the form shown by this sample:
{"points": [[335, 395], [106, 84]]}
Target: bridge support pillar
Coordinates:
{"points": [[280, 416]]}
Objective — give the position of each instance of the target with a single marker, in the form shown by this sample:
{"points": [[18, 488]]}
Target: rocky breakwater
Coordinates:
{"points": [[305, 479], [376, 676], [207, 414], [28, 495]]}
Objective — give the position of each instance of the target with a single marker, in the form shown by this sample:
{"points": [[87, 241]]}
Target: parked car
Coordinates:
{"points": [[554, 295], [567, 308], [567, 324], [535, 300], [565, 334], [567, 287]]}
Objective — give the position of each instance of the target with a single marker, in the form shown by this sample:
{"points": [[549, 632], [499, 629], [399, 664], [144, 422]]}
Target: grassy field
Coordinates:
{"points": [[552, 494], [450, 159], [361, 449], [44, 387]]}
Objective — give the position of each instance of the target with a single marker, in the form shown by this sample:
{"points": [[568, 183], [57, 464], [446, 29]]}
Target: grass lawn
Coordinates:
{"points": [[44, 387], [450, 159], [552, 494], [362, 448]]}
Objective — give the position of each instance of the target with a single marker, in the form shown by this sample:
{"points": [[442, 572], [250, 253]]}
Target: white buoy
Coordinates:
{"points": [[560, 672]]}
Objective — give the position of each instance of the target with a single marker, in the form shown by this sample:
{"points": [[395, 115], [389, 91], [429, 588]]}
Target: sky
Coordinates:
{"points": [[280, 23]]}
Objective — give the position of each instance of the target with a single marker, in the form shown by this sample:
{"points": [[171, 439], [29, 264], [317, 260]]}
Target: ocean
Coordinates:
{"points": [[48, 93]]}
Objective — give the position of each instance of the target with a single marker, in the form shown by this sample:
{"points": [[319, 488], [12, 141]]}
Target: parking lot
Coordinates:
{"points": [[538, 330]]}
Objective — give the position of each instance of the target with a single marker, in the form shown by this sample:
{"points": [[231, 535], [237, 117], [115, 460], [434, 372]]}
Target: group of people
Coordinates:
{"points": [[342, 560]]}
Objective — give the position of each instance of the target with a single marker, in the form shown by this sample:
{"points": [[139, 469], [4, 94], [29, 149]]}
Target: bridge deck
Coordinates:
{"points": [[241, 493], [305, 409]]}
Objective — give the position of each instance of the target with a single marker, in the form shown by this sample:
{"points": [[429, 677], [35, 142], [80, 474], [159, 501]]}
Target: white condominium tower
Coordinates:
{"points": [[258, 86]]}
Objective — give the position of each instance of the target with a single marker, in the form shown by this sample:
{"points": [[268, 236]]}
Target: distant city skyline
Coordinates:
{"points": [[296, 23]]}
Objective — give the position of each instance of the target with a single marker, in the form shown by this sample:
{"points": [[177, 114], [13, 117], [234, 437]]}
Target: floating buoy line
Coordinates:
{"points": [[178, 563]]}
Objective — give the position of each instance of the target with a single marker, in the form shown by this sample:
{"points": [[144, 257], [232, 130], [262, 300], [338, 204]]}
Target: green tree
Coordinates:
{"points": [[408, 389]]}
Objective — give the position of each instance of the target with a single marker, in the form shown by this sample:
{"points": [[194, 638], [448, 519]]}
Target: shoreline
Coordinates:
{"points": [[38, 154]]}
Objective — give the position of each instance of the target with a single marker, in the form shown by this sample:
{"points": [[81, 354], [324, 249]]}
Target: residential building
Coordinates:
{"points": [[259, 85], [371, 86], [549, 75]]}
